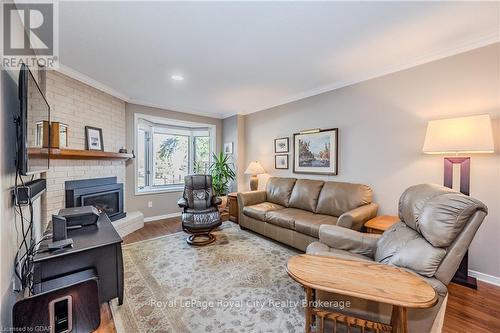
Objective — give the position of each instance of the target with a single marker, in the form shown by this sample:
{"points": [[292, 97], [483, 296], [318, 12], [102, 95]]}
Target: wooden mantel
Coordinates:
{"points": [[76, 154]]}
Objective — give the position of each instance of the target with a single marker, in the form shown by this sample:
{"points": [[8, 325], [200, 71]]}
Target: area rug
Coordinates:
{"points": [[236, 284]]}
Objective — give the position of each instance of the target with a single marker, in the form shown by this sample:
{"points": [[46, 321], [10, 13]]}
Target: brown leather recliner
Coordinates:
{"points": [[200, 215], [436, 228]]}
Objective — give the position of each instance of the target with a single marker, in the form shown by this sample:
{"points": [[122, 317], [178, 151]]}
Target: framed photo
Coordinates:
{"points": [[281, 145], [93, 138], [228, 148], [281, 161], [316, 152]]}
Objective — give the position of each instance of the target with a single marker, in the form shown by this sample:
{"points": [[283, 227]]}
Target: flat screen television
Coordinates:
{"points": [[33, 126]]}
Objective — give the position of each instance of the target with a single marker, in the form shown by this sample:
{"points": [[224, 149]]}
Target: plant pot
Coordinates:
{"points": [[223, 205]]}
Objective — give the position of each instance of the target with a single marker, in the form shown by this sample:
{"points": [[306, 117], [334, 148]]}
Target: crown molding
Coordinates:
{"points": [[177, 108], [487, 39], [74, 74]]}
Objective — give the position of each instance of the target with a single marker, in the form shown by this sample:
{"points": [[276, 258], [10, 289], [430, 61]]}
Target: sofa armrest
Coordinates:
{"points": [[356, 218], [182, 203], [250, 198], [349, 240]]}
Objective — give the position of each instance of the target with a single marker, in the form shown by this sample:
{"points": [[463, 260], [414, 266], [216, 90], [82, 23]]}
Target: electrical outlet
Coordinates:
{"points": [[150, 204]]}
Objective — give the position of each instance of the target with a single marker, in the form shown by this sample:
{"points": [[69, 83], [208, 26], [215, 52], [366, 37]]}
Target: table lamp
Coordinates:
{"points": [[463, 135], [254, 169]]}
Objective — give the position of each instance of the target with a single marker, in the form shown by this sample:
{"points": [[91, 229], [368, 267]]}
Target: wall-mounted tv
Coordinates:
{"points": [[33, 126]]}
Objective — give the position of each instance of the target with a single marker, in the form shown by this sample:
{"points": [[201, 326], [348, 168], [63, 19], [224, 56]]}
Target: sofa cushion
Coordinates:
{"points": [[402, 246], [309, 224], [284, 218], [305, 194], [279, 190], [259, 211], [336, 198]]}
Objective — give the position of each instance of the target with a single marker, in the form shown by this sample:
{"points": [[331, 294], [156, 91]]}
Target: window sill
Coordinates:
{"points": [[150, 191]]}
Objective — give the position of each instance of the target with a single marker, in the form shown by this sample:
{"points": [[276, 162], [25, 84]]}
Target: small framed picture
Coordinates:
{"points": [[281, 145], [281, 161], [228, 148], [93, 138]]}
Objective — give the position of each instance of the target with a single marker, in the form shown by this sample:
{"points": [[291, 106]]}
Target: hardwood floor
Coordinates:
{"points": [[468, 310], [154, 229]]}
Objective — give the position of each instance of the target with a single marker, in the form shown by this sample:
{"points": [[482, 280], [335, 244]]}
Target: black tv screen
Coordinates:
{"points": [[33, 127]]}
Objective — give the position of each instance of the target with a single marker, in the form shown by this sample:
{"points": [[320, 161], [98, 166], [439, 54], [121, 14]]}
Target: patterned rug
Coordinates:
{"points": [[236, 284]]}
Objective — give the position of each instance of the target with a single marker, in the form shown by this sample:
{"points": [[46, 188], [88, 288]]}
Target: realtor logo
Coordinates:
{"points": [[29, 34]]}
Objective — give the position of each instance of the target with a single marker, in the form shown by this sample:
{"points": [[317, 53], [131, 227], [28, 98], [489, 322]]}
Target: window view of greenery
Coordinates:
{"points": [[171, 162], [141, 162], [166, 154], [201, 154]]}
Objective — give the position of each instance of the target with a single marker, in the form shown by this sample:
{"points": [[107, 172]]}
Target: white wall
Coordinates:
{"points": [[233, 130], [382, 125], [162, 203]]}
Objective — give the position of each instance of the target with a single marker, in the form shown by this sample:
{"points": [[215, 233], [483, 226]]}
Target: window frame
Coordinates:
{"points": [[155, 122]]}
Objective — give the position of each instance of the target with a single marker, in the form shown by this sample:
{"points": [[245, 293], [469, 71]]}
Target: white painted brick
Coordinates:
{"points": [[78, 105]]}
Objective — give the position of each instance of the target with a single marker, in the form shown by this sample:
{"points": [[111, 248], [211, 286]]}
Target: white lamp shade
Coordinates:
{"points": [[459, 135], [255, 168]]}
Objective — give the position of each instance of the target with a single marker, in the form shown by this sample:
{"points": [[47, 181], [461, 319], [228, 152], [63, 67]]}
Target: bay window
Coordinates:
{"points": [[168, 150]]}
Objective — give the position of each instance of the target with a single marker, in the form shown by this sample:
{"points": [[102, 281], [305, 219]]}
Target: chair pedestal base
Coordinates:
{"points": [[205, 239]]}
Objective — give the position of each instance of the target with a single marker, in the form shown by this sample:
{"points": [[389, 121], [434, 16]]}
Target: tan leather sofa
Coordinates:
{"points": [[292, 210]]}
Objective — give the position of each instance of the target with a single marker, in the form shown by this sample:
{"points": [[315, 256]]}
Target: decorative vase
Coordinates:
{"points": [[223, 205]]}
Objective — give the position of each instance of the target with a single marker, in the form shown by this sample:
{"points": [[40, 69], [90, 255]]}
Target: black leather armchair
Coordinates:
{"points": [[200, 215]]}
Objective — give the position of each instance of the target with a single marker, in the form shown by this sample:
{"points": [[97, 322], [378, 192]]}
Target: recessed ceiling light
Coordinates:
{"points": [[177, 77]]}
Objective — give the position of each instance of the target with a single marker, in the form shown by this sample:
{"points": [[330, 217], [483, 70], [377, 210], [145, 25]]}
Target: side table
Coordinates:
{"points": [[232, 202], [379, 224], [361, 279]]}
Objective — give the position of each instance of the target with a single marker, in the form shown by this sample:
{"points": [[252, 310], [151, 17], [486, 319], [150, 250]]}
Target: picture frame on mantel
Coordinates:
{"points": [[316, 152], [93, 138]]}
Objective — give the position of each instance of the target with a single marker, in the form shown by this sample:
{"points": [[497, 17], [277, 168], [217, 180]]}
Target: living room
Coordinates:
{"points": [[250, 166]]}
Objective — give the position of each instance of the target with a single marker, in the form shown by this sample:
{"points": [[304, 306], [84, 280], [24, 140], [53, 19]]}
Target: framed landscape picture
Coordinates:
{"points": [[316, 152], [281, 161], [281, 145]]}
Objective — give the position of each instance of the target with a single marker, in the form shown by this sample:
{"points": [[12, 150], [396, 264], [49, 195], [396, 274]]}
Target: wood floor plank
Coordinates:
{"points": [[468, 310]]}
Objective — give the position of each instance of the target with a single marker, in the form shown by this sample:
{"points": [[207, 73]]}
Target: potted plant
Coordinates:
{"points": [[222, 174]]}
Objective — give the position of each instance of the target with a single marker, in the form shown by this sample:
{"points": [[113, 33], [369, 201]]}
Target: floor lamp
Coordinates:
{"points": [[464, 135]]}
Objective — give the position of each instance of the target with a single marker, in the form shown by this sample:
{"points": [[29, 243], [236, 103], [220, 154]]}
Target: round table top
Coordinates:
{"points": [[362, 279]]}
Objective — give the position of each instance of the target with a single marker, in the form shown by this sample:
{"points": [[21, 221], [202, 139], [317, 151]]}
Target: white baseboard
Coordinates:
{"points": [[485, 277], [161, 217]]}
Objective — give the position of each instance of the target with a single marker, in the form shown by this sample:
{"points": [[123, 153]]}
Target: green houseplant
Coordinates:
{"points": [[222, 174]]}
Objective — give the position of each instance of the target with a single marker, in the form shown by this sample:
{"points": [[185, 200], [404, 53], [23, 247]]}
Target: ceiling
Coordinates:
{"points": [[243, 57]]}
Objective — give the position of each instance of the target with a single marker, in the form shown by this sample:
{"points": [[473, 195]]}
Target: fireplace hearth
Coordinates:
{"points": [[105, 194]]}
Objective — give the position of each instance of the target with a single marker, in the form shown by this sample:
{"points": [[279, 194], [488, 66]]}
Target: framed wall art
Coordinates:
{"points": [[281, 161], [316, 152], [281, 145], [228, 148]]}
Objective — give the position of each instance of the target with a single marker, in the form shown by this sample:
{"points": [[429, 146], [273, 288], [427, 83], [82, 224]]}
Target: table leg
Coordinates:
{"points": [[308, 308], [399, 319]]}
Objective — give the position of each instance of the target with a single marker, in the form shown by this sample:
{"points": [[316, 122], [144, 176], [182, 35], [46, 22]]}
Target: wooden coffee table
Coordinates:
{"points": [[362, 279]]}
